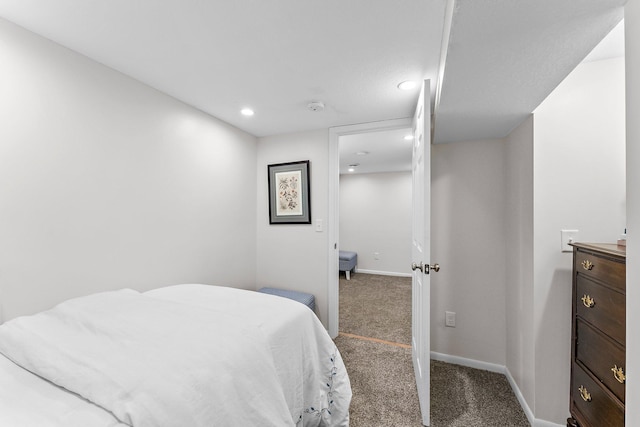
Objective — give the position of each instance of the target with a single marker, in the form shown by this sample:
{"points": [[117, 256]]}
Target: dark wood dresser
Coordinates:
{"points": [[598, 335]]}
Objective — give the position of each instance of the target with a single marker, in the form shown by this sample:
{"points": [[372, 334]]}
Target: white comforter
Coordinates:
{"points": [[187, 355]]}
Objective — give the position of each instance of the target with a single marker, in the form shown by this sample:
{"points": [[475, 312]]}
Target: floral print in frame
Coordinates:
{"points": [[289, 188]]}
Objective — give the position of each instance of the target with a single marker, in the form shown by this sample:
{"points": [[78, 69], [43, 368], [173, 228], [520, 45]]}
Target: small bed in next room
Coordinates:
{"points": [[184, 355]]}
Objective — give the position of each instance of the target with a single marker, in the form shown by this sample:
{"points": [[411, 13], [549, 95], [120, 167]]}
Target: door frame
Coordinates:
{"points": [[333, 221]]}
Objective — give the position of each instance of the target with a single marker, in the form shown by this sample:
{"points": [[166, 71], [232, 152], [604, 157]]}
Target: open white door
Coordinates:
{"points": [[421, 235]]}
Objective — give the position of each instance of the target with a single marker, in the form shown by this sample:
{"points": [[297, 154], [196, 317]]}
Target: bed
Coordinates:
{"points": [[183, 355]]}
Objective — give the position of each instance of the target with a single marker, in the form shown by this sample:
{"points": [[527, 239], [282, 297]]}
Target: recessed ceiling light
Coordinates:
{"points": [[362, 153], [247, 112], [407, 85], [408, 137], [353, 166]]}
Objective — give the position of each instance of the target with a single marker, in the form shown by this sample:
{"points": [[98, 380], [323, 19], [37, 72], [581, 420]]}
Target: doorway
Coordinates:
{"points": [[375, 200], [335, 135]]}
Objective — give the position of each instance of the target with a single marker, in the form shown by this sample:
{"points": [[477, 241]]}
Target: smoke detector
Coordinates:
{"points": [[315, 106]]}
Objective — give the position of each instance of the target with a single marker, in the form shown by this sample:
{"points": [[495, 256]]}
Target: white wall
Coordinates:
{"points": [[632, 40], [518, 207], [106, 183], [294, 256], [579, 183], [467, 232], [375, 216]]}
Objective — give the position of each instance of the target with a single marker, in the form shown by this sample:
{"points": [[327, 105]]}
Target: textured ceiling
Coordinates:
{"points": [[274, 56], [376, 152], [503, 57]]}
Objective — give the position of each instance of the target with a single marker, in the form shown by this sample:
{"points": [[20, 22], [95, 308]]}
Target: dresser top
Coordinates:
{"points": [[607, 248]]}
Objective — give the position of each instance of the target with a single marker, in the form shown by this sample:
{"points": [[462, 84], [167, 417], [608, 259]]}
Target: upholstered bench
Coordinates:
{"points": [[348, 262], [302, 297]]}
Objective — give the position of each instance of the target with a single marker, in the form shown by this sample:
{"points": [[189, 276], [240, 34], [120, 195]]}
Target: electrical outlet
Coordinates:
{"points": [[376, 255], [450, 319], [567, 237]]}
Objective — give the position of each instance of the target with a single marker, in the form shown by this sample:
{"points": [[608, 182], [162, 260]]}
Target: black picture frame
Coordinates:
{"points": [[289, 193]]}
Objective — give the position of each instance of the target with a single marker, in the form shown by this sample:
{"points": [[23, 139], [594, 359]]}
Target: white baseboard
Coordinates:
{"points": [[383, 273], [471, 363], [492, 367], [543, 423]]}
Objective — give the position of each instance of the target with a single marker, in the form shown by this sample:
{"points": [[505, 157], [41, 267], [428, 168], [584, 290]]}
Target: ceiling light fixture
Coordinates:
{"points": [[407, 85], [362, 153], [247, 112], [353, 166]]}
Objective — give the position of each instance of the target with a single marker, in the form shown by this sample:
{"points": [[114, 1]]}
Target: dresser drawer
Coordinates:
{"points": [[592, 402], [611, 272], [600, 355], [602, 307]]}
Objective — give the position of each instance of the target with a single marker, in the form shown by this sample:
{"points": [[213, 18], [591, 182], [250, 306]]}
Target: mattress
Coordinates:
{"points": [[193, 355]]}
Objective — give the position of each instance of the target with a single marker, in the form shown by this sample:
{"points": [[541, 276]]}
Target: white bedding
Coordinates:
{"points": [[186, 355], [28, 401]]}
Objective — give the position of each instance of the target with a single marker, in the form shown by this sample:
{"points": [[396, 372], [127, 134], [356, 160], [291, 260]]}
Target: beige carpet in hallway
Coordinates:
{"points": [[377, 307]]}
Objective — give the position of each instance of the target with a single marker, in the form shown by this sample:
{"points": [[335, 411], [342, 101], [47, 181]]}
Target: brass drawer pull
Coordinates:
{"points": [[586, 396], [587, 265], [618, 374], [587, 301]]}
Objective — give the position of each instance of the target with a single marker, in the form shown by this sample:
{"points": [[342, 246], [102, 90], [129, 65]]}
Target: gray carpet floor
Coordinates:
{"points": [[381, 373]]}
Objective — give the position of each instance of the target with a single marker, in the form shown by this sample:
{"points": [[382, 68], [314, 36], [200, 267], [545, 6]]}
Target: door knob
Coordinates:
{"points": [[425, 268]]}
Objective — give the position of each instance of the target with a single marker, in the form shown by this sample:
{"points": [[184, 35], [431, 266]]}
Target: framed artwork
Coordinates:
{"points": [[289, 193]]}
